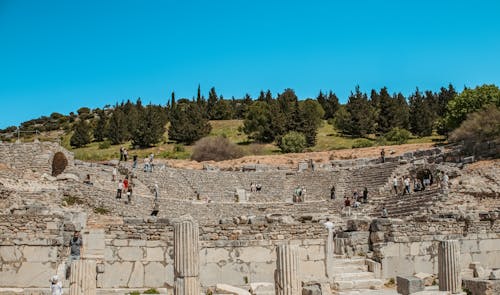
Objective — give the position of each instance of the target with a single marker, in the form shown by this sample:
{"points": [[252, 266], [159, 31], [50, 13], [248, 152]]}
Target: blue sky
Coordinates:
{"points": [[57, 56]]}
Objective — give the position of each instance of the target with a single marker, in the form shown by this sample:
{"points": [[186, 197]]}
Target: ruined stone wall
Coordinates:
{"points": [[31, 248], [408, 247], [35, 156]]}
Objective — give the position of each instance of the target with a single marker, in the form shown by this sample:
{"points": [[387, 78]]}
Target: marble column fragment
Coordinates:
{"points": [[339, 248], [329, 250], [449, 266], [286, 277], [186, 257], [83, 277]]}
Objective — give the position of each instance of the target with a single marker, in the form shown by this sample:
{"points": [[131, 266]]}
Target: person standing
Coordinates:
{"points": [[332, 193], [156, 191], [119, 190], [395, 184], [382, 155], [114, 173], [365, 194], [407, 185], [55, 285], [134, 165]]}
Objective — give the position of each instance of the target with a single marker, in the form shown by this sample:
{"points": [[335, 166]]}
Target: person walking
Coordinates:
{"points": [[365, 194], [395, 184], [382, 155], [114, 173], [407, 185], [332, 193], [119, 190]]}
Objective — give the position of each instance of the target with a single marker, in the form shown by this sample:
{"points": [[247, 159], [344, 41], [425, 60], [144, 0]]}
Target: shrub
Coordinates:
{"points": [[135, 293], [101, 210], [292, 142], [398, 135], [215, 149], [361, 143], [151, 291], [104, 145], [480, 126], [71, 200]]}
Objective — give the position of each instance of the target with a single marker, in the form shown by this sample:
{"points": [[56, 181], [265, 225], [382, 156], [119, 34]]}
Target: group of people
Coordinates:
{"points": [[355, 201], [417, 183], [255, 187], [125, 186], [148, 163]]}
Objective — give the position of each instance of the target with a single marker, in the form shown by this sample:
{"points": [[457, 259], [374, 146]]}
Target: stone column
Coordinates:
{"points": [[186, 257], [286, 278], [82, 280], [339, 246], [329, 250], [449, 266]]}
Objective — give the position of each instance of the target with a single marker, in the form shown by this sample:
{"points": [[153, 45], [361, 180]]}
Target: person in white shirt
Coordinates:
{"points": [[407, 185], [395, 184], [55, 286]]}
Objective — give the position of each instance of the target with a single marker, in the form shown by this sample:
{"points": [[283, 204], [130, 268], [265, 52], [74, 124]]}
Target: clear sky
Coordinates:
{"points": [[57, 56]]}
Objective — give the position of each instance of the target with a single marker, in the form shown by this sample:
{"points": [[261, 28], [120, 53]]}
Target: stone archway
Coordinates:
{"points": [[59, 163]]}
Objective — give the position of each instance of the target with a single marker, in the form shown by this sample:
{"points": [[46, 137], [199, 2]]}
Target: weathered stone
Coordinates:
{"points": [[228, 289], [83, 278], [482, 287], [286, 278], [262, 288], [495, 274], [186, 257], [358, 224], [426, 277], [409, 285]]}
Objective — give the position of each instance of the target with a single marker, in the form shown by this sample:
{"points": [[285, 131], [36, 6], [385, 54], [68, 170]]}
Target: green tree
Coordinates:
{"points": [[330, 104], [469, 101], [187, 123], [287, 106], [117, 129], [362, 114], [421, 115], [150, 127], [258, 123], [342, 120], [101, 126], [81, 135], [310, 118], [211, 103]]}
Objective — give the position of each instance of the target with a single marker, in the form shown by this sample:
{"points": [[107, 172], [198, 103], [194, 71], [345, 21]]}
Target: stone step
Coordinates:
{"points": [[349, 262], [350, 268], [358, 284], [351, 276]]}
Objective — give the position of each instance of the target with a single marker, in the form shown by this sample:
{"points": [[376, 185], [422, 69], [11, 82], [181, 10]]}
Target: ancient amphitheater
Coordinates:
{"points": [[212, 235]]}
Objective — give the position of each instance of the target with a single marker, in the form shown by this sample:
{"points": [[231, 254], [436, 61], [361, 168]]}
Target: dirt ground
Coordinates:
{"points": [[291, 160]]}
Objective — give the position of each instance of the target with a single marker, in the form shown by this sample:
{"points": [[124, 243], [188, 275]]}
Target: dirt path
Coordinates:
{"points": [[291, 160]]}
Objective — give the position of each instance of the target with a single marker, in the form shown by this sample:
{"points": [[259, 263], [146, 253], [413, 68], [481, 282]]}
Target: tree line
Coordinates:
{"points": [[271, 118]]}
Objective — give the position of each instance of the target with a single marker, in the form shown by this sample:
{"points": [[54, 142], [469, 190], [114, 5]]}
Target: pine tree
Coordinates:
{"points": [[310, 119], [421, 115], [187, 123], [117, 130], [81, 135], [151, 126], [362, 114], [211, 103], [101, 126], [330, 104]]}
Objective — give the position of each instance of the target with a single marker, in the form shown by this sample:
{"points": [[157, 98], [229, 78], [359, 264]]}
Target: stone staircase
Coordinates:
{"points": [[399, 206], [353, 274], [374, 178]]}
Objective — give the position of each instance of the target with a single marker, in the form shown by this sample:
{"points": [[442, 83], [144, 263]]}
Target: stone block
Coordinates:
{"points": [[155, 254], [262, 288], [482, 287], [130, 253], [409, 285], [228, 289], [426, 277], [358, 224]]}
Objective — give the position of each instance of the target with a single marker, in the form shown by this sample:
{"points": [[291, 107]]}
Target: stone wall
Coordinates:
{"points": [[35, 156], [409, 247]]}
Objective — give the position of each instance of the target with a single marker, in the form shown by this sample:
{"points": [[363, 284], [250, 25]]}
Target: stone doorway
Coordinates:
{"points": [[59, 163]]}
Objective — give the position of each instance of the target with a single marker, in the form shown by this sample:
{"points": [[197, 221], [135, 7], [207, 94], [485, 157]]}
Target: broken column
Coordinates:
{"points": [[449, 266], [186, 257], [82, 280], [339, 248], [329, 250], [286, 278]]}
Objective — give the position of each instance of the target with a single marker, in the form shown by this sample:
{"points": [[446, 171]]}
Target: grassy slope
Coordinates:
{"points": [[328, 139]]}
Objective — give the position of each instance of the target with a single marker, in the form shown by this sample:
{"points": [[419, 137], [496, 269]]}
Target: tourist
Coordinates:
{"points": [[444, 181], [125, 155], [119, 190], [407, 185], [384, 213], [417, 186], [355, 195], [156, 191], [146, 164], [347, 205], [332, 193], [125, 184], [382, 155], [156, 209], [75, 245], [151, 158], [258, 187], [129, 193], [55, 285], [365, 194], [395, 184], [134, 165], [114, 173], [252, 187], [297, 194], [303, 195], [87, 180], [121, 153]]}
